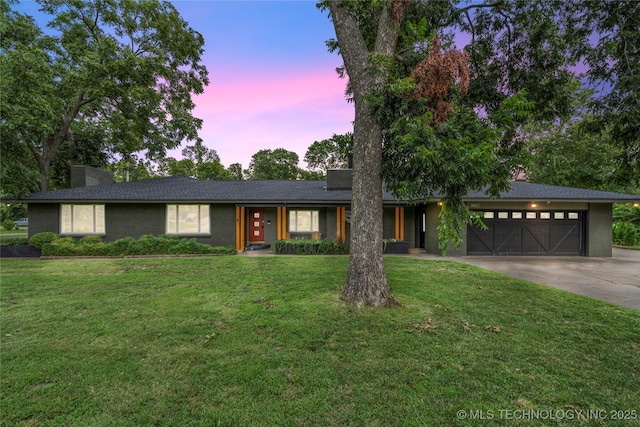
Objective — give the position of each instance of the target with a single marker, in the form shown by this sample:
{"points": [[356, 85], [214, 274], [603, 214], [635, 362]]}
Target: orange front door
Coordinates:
{"points": [[256, 225]]}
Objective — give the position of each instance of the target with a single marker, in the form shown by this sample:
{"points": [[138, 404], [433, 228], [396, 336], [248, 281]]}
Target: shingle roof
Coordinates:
{"points": [[528, 191], [184, 189]]}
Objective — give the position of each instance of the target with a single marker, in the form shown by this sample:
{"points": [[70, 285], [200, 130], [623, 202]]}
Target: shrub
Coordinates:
{"points": [[122, 247], [223, 250], [64, 246], [15, 241], [625, 234], [146, 245], [40, 239], [8, 225], [91, 240], [310, 247], [628, 212]]}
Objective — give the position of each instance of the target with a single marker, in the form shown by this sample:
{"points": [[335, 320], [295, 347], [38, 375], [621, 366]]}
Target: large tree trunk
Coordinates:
{"points": [[51, 144], [366, 281]]}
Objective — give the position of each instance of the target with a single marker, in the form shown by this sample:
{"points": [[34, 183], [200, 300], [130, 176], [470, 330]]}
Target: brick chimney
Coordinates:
{"points": [[85, 176]]}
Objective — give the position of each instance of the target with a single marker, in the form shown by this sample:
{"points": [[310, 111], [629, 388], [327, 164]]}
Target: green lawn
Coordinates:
{"points": [[265, 341]]}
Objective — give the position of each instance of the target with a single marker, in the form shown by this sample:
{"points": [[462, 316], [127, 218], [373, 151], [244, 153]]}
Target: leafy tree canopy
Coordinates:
{"points": [[573, 155], [235, 169], [199, 162], [273, 164], [329, 153], [132, 67]]}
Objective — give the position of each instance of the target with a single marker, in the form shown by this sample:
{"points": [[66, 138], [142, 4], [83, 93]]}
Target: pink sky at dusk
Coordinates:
{"points": [[243, 114], [272, 81]]}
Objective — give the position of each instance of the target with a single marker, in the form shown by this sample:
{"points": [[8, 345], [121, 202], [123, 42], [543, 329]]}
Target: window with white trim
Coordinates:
{"points": [[82, 219], [188, 219], [304, 221]]}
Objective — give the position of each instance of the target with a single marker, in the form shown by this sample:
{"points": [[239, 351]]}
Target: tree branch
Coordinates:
{"points": [[480, 6], [466, 10], [352, 45]]}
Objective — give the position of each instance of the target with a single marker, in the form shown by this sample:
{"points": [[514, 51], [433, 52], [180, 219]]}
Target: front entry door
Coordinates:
{"points": [[256, 225]]}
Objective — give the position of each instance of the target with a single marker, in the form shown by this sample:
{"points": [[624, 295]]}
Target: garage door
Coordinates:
{"points": [[528, 233]]}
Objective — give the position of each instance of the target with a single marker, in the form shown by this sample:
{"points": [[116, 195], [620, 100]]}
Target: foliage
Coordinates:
{"points": [[625, 233], [465, 152], [613, 60], [629, 212], [572, 155], [40, 239], [8, 224], [12, 210], [235, 170], [130, 70], [186, 167], [156, 341], [273, 164], [199, 162], [307, 175], [329, 153], [146, 245], [322, 246], [626, 224], [132, 168], [14, 241]]}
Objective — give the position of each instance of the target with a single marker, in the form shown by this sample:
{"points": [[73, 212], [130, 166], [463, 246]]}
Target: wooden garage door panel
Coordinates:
{"points": [[535, 238], [508, 238], [480, 242], [567, 238]]}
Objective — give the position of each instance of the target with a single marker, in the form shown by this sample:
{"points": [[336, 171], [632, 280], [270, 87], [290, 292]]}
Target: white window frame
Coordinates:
{"points": [[202, 220], [70, 224], [314, 221]]}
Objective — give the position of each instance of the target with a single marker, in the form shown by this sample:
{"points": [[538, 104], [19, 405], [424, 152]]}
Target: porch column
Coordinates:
{"points": [[399, 223], [341, 224], [240, 228], [282, 222]]}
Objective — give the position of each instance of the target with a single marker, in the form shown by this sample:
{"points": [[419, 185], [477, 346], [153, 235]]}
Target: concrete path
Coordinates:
{"points": [[615, 279]]}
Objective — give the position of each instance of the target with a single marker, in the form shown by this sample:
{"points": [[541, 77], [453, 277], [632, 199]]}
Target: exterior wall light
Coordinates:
{"points": [[533, 205]]}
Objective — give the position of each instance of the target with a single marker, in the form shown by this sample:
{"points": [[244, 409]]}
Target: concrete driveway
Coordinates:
{"points": [[615, 279]]}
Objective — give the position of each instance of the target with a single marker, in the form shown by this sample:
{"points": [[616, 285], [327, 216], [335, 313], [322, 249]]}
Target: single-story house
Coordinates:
{"points": [[530, 219]]}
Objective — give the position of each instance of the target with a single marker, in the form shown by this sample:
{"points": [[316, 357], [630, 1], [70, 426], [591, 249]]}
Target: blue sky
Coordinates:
{"points": [[272, 82]]}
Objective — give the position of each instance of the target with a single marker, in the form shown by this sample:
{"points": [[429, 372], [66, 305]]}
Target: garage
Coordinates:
{"points": [[519, 232]]}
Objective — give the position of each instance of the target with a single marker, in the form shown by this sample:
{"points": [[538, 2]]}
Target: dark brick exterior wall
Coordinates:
{"points": [[133, 220], [44, 217], [223, 226], [432, 210], [599, 230]]}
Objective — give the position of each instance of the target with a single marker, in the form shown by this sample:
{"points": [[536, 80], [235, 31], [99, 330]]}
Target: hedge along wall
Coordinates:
{"points": [[310, 247]]}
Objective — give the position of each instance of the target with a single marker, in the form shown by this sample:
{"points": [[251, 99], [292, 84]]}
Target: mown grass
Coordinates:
{"points": [[265, 341], [11, 234]]}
